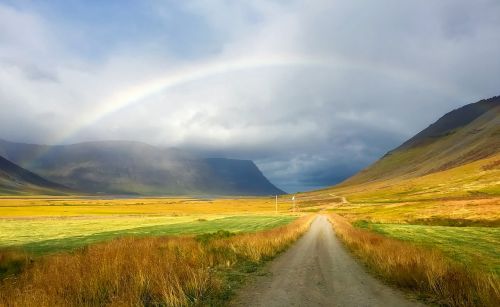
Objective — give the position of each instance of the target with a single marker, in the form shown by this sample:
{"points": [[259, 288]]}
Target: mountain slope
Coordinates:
{"points": [[240, 175], [462, 136], [16, 180], [458, 156], [120, 167]]}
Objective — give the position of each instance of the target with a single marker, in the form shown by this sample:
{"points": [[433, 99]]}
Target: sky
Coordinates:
{"points": [[311, 90]]}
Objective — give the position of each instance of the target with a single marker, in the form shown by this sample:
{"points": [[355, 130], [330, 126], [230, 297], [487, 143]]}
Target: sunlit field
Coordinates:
{"points": [[463, 212], [25, 207], [56, 235], [476, 247], [50, 224]]}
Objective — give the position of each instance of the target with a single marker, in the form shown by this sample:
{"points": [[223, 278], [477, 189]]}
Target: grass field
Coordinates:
{"points": [[476, 247], [41, 225], [462, 212], [41, 236], [24, 207]]}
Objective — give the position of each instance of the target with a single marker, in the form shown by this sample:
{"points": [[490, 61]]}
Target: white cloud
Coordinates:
{"points": [[400, 66]]}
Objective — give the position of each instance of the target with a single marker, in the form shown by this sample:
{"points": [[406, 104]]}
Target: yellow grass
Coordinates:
{"points": [[173, 271], [480, 212], [423, 270], [479, 178], [44, 223], [24, 207]]}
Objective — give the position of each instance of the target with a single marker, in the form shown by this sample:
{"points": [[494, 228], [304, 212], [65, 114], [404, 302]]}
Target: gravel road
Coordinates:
{"points": [[318, 271]]}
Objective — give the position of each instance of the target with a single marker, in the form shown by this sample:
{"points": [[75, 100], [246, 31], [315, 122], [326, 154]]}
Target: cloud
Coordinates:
{"points": [[390, 69]]}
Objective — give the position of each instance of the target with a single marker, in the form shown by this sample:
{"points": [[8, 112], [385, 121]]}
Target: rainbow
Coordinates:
{"points": [[136, 94]]}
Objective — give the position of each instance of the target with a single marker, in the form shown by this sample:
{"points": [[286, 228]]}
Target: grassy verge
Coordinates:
{"points": [[172, 271], [475, 247], [420, 269]]}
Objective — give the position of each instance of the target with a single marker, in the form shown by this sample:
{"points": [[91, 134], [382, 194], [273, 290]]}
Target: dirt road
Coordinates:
{"points": [[318, 271], [343, 200]]}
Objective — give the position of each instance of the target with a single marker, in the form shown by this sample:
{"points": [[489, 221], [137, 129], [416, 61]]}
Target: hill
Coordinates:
{"points": [[122, 167], [464, 135], [457, 156], [16, 180]]}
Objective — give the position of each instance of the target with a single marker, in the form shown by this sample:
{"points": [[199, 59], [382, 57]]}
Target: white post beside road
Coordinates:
{"points": [[276, 204]]}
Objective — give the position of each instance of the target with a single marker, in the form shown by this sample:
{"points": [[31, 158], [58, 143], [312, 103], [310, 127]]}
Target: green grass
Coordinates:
{"points": [[31, 230], [477, 247], [47, 236]]}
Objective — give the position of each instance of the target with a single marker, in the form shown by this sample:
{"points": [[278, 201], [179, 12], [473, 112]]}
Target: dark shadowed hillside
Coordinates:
{"points": [[120, 167], [16, 180], [240, 175]]}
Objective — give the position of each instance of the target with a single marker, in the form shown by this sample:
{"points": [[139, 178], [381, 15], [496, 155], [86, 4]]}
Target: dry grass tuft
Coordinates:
{"points": [[416, 268], [173, 271], [12, 261]]}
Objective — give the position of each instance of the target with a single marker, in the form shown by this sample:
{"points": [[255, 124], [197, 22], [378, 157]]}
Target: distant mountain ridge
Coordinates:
{"points": [[462, 136], [124, 167], [17, 180]]}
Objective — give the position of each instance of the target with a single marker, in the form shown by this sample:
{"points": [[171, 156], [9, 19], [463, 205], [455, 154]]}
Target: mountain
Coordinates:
{"points": [[122, 167], [462, 136], [457, 156], [16, 180]]}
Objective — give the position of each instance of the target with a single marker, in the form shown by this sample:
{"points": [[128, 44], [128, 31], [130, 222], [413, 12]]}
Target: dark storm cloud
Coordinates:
{"points": [[390, 69]]}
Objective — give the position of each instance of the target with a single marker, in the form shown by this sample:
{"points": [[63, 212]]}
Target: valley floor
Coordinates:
{"points": [[41, 225], [315, 271]]}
